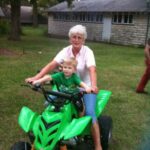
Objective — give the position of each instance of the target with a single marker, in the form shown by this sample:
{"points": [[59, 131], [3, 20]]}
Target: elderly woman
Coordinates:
{"points": [[86, 69]]}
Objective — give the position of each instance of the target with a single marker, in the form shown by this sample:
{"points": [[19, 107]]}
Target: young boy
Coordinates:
{"points": [[67, 80]]}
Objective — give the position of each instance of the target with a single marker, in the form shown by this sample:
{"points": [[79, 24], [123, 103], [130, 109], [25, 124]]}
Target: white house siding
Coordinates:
{"points": [[120, 34]]}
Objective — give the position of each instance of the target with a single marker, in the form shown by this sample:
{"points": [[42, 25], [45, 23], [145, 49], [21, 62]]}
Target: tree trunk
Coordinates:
{"points": [[35, 13], [15, 20]]}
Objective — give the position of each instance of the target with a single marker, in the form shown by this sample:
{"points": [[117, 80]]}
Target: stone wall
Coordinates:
{"points": [[134, 34], [124, 34]]}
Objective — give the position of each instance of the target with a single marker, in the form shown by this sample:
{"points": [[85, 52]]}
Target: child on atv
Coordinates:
{"points": [[67, 80]]}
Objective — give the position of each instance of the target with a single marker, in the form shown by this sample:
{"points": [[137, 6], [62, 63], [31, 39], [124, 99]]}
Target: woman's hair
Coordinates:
{"points": [[78, 29], [70, 61]]}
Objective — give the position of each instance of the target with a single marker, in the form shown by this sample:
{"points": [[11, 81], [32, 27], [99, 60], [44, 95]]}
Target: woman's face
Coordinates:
{"points": [[77, 40]]}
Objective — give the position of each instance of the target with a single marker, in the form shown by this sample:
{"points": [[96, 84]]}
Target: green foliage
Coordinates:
{"points": [[69, 2], [4, 27], [4, 2], [47, 3]]}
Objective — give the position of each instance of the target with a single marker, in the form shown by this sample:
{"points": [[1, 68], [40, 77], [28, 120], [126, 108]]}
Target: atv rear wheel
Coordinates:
{"points": [[21, 146], [105, 123]]}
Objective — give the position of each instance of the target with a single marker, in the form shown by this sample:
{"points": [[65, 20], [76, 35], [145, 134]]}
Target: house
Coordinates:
{"points": [[26, 15], [1, 13], [124, 22]]}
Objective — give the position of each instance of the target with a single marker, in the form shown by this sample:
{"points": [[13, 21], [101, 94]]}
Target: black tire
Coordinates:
{"points": [[106, 124], [21, 146]]}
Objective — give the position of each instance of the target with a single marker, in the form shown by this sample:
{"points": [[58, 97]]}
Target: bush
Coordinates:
{"points": [[4, 27]]}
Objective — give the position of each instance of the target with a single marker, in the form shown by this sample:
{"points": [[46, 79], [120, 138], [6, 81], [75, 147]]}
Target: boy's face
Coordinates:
{"points": [[68, 69]]}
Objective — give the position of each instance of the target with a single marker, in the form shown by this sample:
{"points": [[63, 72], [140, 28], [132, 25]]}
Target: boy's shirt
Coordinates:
{"points": [[66, 84]]}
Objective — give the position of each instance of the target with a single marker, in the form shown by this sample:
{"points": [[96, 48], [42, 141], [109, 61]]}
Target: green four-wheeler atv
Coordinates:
{"points": [[60, 126]]}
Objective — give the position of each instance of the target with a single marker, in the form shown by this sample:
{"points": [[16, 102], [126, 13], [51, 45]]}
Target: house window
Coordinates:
{"points": [[122, 18], [99, 17], [81, 16]]}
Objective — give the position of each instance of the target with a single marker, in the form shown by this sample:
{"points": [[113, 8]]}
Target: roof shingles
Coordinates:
{"points": [[103, 6]]}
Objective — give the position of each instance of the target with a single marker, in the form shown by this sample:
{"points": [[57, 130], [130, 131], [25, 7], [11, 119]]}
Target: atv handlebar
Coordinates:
{"points": [[38, 88], [75, 97]]}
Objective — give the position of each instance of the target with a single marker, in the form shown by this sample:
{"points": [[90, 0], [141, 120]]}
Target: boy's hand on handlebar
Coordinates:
{"points": [[36, 83]]}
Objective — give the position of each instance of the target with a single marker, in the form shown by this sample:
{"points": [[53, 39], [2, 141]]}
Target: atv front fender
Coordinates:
{"points": [[26, 118], [75, 128]]}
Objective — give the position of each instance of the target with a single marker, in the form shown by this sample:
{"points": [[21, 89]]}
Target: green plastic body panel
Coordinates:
{"points": [[50, 127], [76, 127], [102, 98], [27, 118]]}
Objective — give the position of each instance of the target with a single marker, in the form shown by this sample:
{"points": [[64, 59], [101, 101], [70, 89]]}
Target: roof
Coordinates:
{"points": [[1, 13], [102, 6]]}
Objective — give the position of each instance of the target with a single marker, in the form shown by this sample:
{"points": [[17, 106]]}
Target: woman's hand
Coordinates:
{"points": [[94, 89], [30, 79], [88, 89]]}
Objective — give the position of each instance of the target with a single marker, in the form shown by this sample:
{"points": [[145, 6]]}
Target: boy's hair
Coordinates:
{"points": [[70, 61]]}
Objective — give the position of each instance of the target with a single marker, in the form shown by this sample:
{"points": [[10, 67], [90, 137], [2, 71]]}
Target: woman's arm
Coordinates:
{"points": [[93, 77], [49, 67]]}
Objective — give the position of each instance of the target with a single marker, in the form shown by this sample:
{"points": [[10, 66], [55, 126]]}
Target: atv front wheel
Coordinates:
{"points": [[105, 123], [21, 146]]}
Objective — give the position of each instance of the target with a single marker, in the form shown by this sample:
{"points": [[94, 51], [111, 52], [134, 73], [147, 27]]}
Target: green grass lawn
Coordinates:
{"points": [[119, 70]]}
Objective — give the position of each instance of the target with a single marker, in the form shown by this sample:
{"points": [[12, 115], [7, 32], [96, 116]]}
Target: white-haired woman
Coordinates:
{"points": [[86, 69]]}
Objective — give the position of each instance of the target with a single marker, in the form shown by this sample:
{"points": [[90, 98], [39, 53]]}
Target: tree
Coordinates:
{"points": [[43, 3], [35, 12], [15, 27]]}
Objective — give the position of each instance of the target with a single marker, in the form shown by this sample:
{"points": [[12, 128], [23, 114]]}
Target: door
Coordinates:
{"points": [[106, 33]]}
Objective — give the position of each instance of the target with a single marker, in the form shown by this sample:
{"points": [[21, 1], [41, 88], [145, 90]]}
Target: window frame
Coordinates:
{"points": [[90, 17], [122, 18]]}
